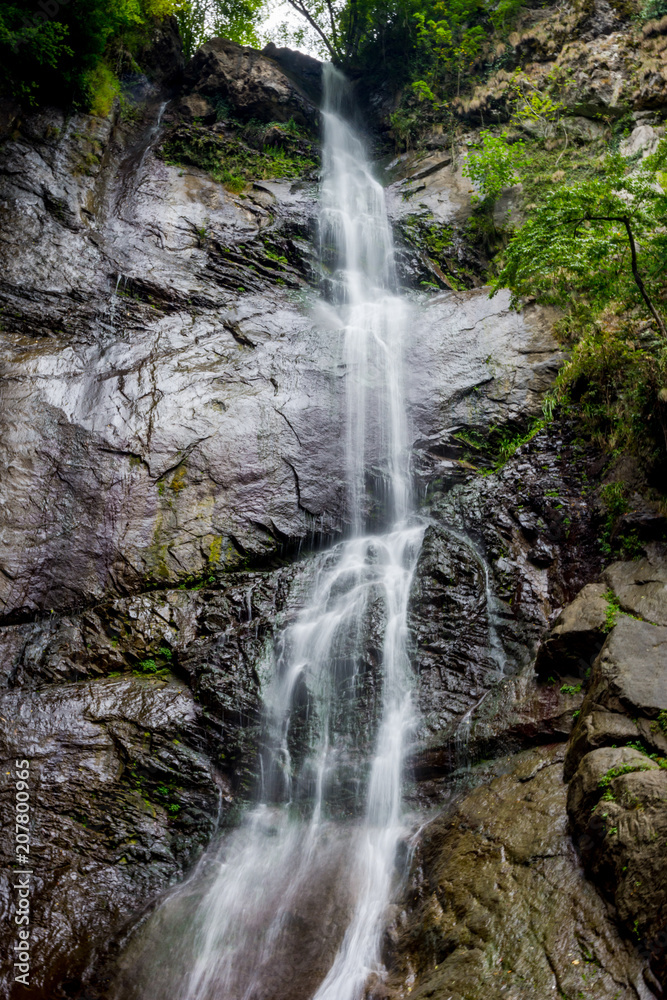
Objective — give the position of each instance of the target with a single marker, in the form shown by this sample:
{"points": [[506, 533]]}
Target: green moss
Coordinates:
{"points": [[616, 772], [177, 480], [233, 162], [215, 549], [612, 610]]}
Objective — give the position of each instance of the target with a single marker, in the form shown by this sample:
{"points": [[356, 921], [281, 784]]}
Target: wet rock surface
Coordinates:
{"points": [[171, 423], [617, 752], [125, 794], [498, 905], [174, 407], [141, 720]]}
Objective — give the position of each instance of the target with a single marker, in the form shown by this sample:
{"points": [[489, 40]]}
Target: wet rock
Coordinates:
{"points": [[641, 587], [498, 905], [513, 714], [628, 681], [255, 85], [450, 625], [617, 802], [577, 635], [132, 769], [124, 798]]}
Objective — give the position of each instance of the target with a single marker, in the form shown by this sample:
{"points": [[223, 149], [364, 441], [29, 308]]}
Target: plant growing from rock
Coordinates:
{"points": [[604, 237], [494, 166]]}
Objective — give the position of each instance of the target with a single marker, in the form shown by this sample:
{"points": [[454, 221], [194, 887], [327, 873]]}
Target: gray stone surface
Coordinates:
{"points": [[641, 587], [630, 673], [577, 635], [124, 797], [497, 906], [167, 408]]}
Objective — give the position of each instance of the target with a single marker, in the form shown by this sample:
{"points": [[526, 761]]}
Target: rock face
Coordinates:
{"points": [[124, 796], [171, 422], [578, 634], [254, 84], [171, 425], [498, 906], [617, 752]]}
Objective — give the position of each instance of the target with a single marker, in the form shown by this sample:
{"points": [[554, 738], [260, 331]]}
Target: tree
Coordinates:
{"points": [[199, 20], [494, 167], [605, 237], [50, 50]]}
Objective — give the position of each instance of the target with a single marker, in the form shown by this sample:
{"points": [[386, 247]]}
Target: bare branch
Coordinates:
{"points": [[301, 8]]}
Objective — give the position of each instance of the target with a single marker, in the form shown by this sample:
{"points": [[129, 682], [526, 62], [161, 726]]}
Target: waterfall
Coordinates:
{"points": [[323, 837]]}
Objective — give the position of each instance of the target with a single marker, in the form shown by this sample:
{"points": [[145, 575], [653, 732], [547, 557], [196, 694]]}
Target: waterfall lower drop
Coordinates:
{"points": [[338, 709]]}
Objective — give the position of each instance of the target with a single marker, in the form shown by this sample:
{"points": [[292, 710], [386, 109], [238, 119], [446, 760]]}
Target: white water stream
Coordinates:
{"points": [[339, 708]]}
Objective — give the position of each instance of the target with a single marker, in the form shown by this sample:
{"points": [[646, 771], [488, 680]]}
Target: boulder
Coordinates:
{"points": [[641, 588], [583, 128], [195, 107], [596, 768], [577, 635], [299, 67], [496, 905], [617, 803], [643, 140], [595, 730], [253, 84], [630, 674]]}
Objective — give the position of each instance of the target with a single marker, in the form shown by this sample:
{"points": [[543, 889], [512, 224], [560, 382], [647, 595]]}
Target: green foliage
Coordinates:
{"points": [[102, 87], [615, 506], [231, 161], [494, 167], [451, 40], [595, 244], [604, 237], [653, 10], [55, 52], [616, 772], [148, 666], [612, 610], [534, 110], [662, 722], [199, 20], [570, 689]]}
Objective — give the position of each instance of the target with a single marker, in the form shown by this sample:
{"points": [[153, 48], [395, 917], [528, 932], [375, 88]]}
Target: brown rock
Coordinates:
{"points": [[194, 106], [255, 85], [497, 907], [641, 588], [596, 730], [577, 636]]}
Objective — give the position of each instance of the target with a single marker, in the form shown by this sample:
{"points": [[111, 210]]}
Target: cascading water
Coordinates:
{"points": [[338, 708]]}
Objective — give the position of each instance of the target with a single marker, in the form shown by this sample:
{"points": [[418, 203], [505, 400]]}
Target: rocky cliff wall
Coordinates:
{"points": [[171, 429]]}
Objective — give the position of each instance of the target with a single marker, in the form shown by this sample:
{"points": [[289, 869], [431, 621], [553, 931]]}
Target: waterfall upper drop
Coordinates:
{"points": [[299, 891], [357, 254]]}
